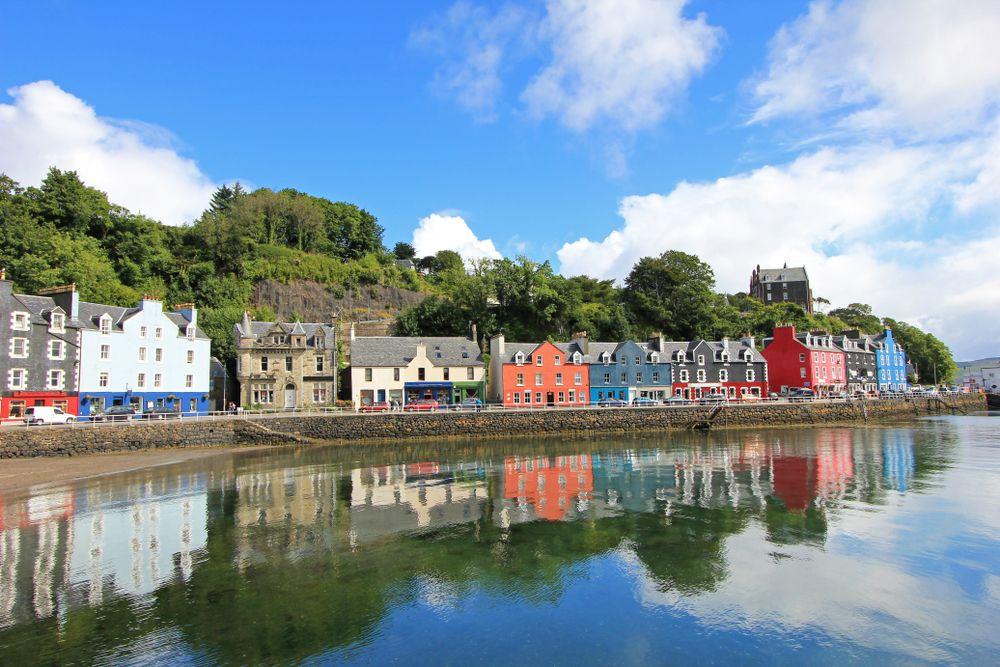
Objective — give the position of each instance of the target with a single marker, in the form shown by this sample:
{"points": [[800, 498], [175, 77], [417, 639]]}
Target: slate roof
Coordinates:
{"points": [[791, 274], [39, 308], [90, 318], [393, 351], [736, 348], [311, 330], [839, 341]]}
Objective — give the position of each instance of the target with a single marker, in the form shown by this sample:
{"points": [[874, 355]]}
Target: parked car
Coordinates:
{"points": [[469, 404], [712, 399], [837, 394], [612, 403], [421, 405], [380, 406], [677, 400], [116, 413], [160, 413], [37, 415], [644, 402], [801, 394]]}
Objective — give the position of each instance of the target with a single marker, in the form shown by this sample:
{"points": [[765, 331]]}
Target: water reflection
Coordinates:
{"points": [[270, 557]]}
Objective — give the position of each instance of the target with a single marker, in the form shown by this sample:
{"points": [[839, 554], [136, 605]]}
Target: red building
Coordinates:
{"points": [[536, 375], [549, 485], [804, 360]]}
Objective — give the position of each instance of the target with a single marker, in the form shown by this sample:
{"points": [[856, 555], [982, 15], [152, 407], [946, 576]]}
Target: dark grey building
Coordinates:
{"points": [[39, 351], [787, 284], [731, 368], [862, 373]]}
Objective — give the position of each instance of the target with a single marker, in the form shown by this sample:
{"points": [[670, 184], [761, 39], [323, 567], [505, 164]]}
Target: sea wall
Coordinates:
{"points": [[305, 429]]}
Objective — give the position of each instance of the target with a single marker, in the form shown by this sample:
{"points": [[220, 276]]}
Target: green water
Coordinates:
{"points": [[823, 545]]}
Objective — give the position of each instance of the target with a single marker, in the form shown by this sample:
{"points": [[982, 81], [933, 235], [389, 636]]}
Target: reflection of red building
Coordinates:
{"points": [[548, 484], [797, 480]]}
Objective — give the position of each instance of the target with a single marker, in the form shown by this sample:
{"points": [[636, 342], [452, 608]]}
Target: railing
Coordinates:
{"points": [[345, 412]]}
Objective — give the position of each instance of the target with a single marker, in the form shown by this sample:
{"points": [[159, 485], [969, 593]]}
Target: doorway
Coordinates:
{"points": [[289, 396]]}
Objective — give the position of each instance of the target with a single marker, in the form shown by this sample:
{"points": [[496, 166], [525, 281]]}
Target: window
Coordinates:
{"points": [[578, 378], [538, 397], [190, 331], [681, 356], [572, 396], [395, 375], [158, 333], [421, 374], [815, 356], [190, 356], [19, 321], [723, 375], [823, 357], [262, 394], [624, 378], [263, 363], [527, 397], [748, 356], [55, 379], [607, 378], [142, 354], [701, 375], [638, 378], [19, 348], [58, 322], [750, 376], [638, 360], [105, 352], [17, 378], [538, 379], [517, 398], [802, 372], [654, 358], [768, 294], [447, 374], [319, 363], [56, 349], [685, 375], [538, 360], [724, 357], [158, 355], [802, 358], [562, 397], [141, 380], [519, 358], [368, 375], [577, 358], [157, 380], [557, 360], [103, 379], [188, 381], [520, 380], [559, 379], [606, 358], [470, 373], [288, 364], [701, 359], [105, 325], [143, 332], [656, 377]]}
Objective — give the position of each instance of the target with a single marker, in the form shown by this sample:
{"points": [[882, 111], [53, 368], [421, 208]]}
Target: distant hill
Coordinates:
{"points": [[978, 363]]}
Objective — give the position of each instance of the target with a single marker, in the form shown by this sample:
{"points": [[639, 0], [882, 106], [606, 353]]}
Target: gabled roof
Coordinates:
{"points": [[786, 274], [398, 351], [736, 348], [39, 309], [312, 330]]}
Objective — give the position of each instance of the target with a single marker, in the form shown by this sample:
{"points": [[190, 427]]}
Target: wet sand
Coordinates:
{"points": [[19, 475]]}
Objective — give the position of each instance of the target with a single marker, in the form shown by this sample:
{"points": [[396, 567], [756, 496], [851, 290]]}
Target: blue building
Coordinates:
{"points": [[629, 370], [890, 363]]}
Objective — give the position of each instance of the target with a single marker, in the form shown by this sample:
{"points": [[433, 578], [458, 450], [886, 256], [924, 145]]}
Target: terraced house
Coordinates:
{"points": [[39, 352], [538, 374], [860, 352], [735, 369], [629, 370], [399, 370], [805, 360], [890, 359], [286, 365]]}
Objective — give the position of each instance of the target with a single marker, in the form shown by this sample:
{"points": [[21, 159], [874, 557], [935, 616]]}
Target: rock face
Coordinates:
{"points": [[295, 429]]}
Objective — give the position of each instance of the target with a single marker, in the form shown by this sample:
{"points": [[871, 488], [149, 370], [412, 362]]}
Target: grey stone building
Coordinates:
{"points": [[735, 369], [859, 349], [787, 284], [39, 351]]}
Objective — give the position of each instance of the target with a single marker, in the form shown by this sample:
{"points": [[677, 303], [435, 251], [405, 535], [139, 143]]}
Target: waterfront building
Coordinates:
{"points": [[804, 360], [285, 364], [39, 351], [143, 356], [539, 374], [735, 369], [399, 369], [859, 353], [784, 285], [890, 359], [627, 370]]}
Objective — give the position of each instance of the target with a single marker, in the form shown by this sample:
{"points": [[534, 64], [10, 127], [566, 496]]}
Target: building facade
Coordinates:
{"points": [[784, 285], [285, 365], [859, 353], [143, 356], [399, 370], [890, 359], [804, 360], [731, 368], [39, 352], [538, 374], [629, 370]]}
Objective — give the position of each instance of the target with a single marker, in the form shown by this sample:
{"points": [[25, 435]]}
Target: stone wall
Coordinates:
{"points": [[294, 429]]}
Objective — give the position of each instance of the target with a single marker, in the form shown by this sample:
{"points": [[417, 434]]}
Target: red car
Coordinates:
{"points": [[421, 405], [381, 406]]}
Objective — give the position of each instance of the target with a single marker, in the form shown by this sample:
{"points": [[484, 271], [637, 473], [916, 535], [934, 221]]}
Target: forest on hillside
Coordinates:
{"points": [[66, 232]]}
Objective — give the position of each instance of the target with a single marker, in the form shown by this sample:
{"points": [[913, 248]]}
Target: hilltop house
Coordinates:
{"points": [[787, 284]]}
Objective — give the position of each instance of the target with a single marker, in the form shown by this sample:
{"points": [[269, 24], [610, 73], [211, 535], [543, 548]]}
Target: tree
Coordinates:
{"points": [[859, 316], [672, 294], [434, 316], [931, 358], [403, 250], [352, 232], [225, 197]]}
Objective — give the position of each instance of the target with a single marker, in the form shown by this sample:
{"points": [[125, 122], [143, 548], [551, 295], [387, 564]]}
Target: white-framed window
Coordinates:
{"points": [[158, 333], [189, 332], [142, 354], [527, 397], [750, 375], [517, 398], [685, 375], [319, 392], [19, 321], [701, 375], [188, 381], [58, 323], [319, 362], [638, 378], [143, 332], [577, 358], [158, 354], [724, 357], [559, 379], [103, 379], [470, 373], [519, 379], [607, 378], [654, 358], [723, 375], [157, 380], [368, 375], [17, 378], [140, 381], [701, 359], [519, 358], [57, 350], [605, 358], [681, 356], [55, 378], [18, 348], [802, 372], [538, 359], [572, 396], [624, 378], [538, 379], [190, 357], [557, 360], [105, 351], [656, 377], [578, 378], [105, 325]]}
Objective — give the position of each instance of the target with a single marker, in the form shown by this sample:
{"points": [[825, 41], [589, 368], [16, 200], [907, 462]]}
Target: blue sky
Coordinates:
{"points": [[584, 133]]}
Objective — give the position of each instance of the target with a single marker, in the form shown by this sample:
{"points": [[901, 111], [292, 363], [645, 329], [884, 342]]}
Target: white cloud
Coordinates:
{"points": [[450, 232], [46, 126], [622, 61], [842, 213], [926, 67]]}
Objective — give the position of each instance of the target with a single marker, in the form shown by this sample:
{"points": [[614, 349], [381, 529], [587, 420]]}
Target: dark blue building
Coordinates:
{"points": [[628, 371]]}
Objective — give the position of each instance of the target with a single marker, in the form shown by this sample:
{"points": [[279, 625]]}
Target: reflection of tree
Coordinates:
{"points": [[801, 526]]}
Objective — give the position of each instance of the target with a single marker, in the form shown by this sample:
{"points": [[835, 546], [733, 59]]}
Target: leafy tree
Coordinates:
{"points": [[672, 294], [931, 358], [859, 316], [403, 250], [434, 316]]}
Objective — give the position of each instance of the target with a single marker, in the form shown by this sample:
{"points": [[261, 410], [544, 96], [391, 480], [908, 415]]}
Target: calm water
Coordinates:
{"points": [[827, 545]]}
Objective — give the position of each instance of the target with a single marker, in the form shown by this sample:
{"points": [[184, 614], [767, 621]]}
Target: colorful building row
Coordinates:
{"points": [[58, 351]]}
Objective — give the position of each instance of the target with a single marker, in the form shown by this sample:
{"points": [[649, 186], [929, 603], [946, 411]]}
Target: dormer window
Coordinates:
{"points": [[105, 324], [654, 358], [519, 358], [681, 356], [724, 357], [190, 331], [605, 358], [748, 356], [58, 323], [465, 354], [577, 358], [701, 359]]}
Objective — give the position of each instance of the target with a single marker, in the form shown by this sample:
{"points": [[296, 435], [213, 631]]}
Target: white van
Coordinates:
{"points": [[46, 414]]}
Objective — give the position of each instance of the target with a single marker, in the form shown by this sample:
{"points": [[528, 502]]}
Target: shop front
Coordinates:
{"points": [[464, 391], [442, 392], [94, 403], [12, 406]]}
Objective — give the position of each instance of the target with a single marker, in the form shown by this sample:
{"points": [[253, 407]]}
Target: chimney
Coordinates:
{"points": [[188, 311], [749, 340], [580, 338], [353, 332], [657, 341], [497, 345], [66, 297], [474, 332]]}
